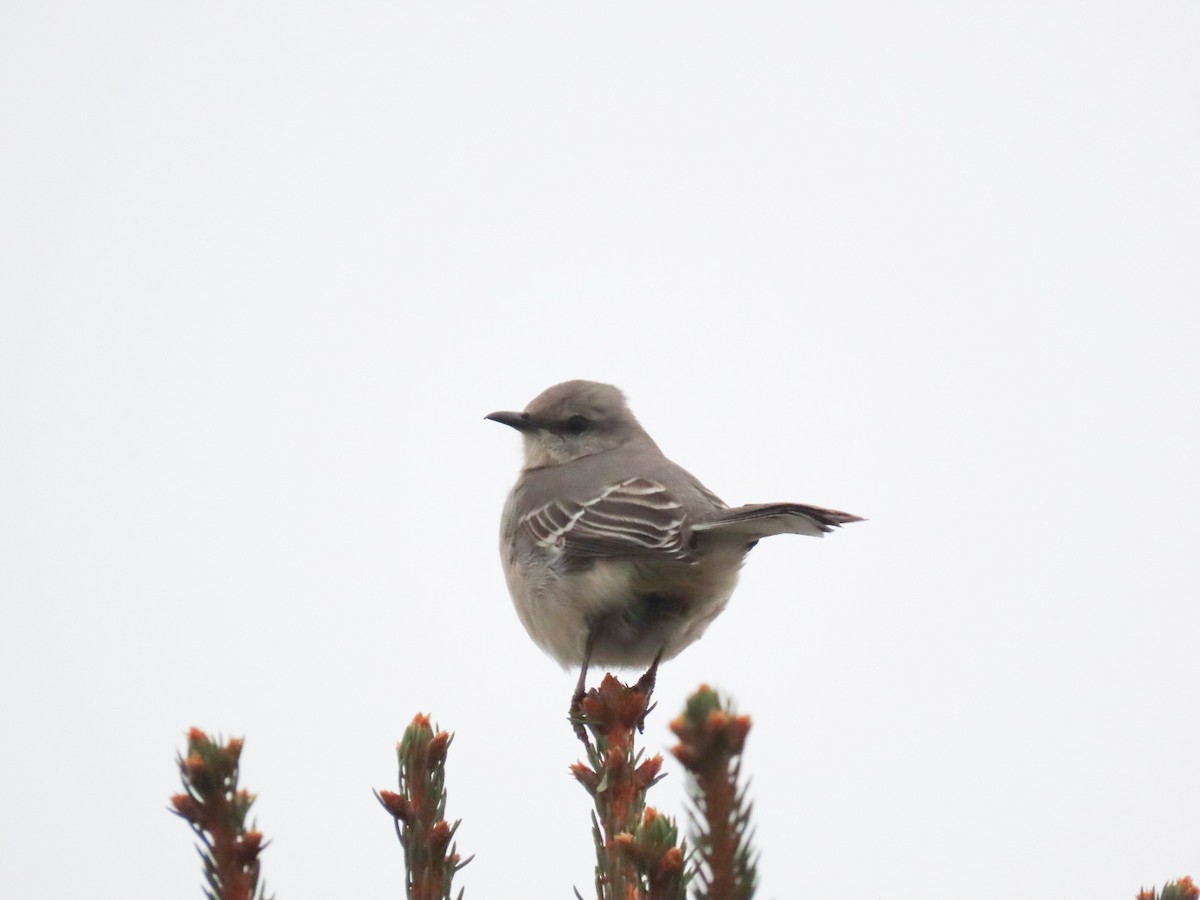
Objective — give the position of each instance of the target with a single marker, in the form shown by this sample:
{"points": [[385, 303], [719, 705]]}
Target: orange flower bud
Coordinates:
{"points": [[186, 806], [438, 747], [585, 776], [395, 804], [648, 771], [439, 837], [671, 863], [247, 848]]}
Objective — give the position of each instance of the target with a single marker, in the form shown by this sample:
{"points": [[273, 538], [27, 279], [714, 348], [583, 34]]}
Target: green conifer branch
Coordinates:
{"points": [[418, 811], [711, 739], [638, 854], [216, 809]]}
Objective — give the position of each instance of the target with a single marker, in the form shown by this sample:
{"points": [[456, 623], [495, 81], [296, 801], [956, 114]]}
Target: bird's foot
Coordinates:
{"points": [[576, 716], [645, 685]]}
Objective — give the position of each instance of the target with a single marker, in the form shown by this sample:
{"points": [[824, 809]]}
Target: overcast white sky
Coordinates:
{"points": [[265, 267]]}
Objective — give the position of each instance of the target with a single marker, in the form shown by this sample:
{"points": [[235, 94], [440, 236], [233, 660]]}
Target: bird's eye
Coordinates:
{"points": [[578, 424]]}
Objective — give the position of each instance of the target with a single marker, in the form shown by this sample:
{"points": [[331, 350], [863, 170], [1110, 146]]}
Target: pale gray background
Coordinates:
{"points": [[264, 268]]}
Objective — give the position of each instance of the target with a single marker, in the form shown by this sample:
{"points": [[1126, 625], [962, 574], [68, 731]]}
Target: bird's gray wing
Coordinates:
{"points": [[709, 497], [632, 518], [763, 519]]}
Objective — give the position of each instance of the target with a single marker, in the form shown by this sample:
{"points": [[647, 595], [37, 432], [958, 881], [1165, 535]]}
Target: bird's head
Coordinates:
{"points": [[573, 420]]}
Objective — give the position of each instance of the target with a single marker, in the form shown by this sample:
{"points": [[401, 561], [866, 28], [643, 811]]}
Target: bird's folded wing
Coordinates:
{"points": [[632, 518], [763, 519]]}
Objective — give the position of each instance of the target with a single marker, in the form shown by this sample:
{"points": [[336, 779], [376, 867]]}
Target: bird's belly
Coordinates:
{"points": [[636, 609]]}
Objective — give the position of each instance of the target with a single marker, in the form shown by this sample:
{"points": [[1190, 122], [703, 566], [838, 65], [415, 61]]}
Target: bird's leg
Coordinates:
{"points": [[576, 711], [645, 684]]}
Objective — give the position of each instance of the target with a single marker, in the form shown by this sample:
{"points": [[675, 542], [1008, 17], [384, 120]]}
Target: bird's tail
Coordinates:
{"points": [[763, 519]]}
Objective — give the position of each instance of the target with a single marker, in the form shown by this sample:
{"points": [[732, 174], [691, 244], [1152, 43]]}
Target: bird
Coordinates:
{"points": [[613, 554]]}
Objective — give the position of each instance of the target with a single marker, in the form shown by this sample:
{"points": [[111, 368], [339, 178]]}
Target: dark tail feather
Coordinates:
{"points": [[764, 519]]}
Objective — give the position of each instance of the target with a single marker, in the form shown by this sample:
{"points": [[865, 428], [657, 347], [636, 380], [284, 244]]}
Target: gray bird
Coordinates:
{"points": [[613, 554]]}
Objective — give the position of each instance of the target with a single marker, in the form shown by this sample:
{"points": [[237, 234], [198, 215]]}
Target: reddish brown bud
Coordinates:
{"points": [[248, 847], [671, 863], [395, 804], [439, 837], [196, 736], [613, 706], [234, 748], [648, 771], [585, 776], [438, 747], [186, 806], [686, 755]]}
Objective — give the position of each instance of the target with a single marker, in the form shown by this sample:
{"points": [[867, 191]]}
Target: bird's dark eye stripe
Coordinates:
{"points": [[577, 424]]}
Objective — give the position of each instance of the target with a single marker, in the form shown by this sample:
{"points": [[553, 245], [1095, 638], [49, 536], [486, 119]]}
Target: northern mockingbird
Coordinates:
{"points": [[612, 553]]}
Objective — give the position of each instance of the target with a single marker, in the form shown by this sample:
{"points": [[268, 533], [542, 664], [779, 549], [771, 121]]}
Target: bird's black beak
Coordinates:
{"points": [[521, 421]]}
